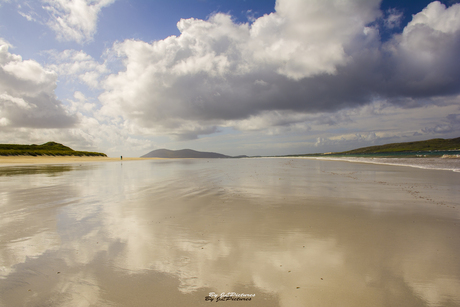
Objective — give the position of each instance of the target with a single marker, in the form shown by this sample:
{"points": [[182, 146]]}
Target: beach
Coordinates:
{"points": [[30, 160], [181, 232]]}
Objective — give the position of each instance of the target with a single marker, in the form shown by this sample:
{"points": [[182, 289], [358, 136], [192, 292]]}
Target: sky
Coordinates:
{"points": [[236, 77]]}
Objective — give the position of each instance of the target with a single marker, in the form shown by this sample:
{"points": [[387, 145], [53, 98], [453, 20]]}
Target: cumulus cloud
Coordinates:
{"points": [[74, 20], [310, 66], [27, 96], [228, 71], [424, 57], [307, 57], [307, 38], [77, 65]]}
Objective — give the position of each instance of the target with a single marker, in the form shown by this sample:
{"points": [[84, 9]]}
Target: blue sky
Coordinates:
{"points": [[236, 77]]}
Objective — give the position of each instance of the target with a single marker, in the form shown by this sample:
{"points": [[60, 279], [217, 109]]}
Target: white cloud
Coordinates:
{"points": [[29, 70], [5, 98], [425, 56], [306, 38], [310, 66], [308, 57], [74, 20], [218, 65], [436, 16], [27, 96], [77, 65], [27, 16]]}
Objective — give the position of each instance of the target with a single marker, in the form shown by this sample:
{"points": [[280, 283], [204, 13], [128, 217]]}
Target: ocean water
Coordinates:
{"points": [[277, 231], [444, 162]]}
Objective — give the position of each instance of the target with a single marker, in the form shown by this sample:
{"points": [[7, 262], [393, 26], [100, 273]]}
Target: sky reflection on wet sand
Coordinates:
{"points": [[294, 232]]}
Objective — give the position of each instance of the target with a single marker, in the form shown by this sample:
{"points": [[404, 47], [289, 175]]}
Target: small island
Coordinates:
{"points": [[47, 149]]}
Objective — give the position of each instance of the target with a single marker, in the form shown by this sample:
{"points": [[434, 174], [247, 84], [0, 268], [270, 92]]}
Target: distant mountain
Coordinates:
{"points": [[47, 149], [184, 153]]}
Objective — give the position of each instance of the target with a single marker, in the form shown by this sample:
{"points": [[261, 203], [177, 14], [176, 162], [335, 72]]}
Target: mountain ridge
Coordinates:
{"points": [[185, 153]]}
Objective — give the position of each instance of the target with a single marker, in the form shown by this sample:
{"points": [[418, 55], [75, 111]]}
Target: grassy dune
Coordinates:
{"points": [[47, 149], [429, 145]]}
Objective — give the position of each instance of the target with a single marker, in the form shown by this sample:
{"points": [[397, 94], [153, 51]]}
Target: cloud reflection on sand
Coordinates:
{"points": [[222, 226]]}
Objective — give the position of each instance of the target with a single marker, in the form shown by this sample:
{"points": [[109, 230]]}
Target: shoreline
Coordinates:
{"points": [[446, 163], [34, 160], [438, 163]]}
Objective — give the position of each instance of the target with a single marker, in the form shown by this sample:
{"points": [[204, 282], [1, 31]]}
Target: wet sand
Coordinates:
{"points": [[22, 160], [292, 232]]}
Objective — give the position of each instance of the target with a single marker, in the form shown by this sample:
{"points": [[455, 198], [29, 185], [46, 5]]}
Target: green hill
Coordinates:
{"points": [[429, 145], [47, 149]]}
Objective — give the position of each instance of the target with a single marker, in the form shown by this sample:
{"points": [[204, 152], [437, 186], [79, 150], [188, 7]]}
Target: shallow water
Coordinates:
{"points": [[294, 232], [447, 163]]}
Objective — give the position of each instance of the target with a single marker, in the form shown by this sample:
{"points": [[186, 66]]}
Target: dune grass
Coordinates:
{"points": [[429, 145], [47, 149]]}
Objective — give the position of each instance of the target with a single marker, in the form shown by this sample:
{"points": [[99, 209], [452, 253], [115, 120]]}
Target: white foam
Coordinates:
{"points": [[447, 163]]}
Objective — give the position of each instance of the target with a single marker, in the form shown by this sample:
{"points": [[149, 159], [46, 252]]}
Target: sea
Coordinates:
{"points": [[443, 160]]}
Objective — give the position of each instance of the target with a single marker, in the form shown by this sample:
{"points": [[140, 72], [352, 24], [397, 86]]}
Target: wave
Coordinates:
{"points": [[447, 163]]}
